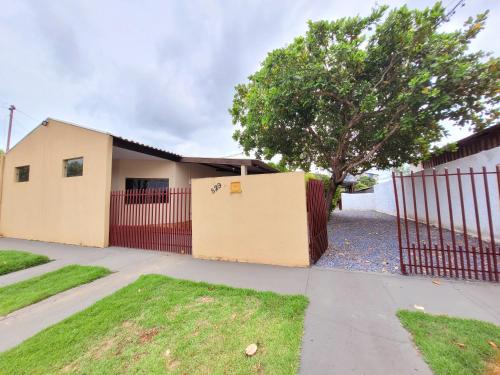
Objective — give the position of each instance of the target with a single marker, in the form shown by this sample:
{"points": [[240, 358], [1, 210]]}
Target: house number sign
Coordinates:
{"points": [[216, 187]]}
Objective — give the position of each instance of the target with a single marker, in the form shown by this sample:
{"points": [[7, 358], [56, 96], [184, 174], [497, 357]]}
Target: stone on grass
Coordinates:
{"points": [[251, 350]]}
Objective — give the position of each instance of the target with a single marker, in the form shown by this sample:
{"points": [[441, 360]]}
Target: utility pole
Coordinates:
{"points": [[12, 108]]}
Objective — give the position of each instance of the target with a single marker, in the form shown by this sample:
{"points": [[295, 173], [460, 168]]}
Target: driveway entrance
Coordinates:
{"points": [[449, 223], [362, 241]]}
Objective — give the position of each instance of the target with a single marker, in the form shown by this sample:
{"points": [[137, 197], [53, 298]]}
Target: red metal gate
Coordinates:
{"points": [[317, 217], [153, 219], [447, 223]]}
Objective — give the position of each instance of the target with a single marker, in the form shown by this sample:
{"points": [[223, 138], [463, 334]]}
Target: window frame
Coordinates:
{"points": [[17, 174], [162, 198], [65, 167]]}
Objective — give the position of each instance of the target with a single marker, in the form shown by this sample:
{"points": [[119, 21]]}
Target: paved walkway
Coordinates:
{"points": [[350, 325]]}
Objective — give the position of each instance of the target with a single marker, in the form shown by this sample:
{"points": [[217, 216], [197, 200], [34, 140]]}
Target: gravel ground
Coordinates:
{"points": [[367, 241], [361, 241]]}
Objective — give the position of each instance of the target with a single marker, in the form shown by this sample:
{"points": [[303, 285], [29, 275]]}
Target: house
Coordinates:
{"points": [[57, 181], [479, 149]]}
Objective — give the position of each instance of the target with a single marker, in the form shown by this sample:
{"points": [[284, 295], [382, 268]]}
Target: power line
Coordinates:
{"points": [[13, 120], [460, 3], [22, 124], [232, 155], [27, 115]]}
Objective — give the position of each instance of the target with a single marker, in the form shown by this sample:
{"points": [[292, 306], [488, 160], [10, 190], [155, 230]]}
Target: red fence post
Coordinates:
{"points": [[452, 226], [426, 205], [317, 216], [403, 193], [478, 224], [464, 223], [438, 209], [415, 213], [492, 235], [398, 221]]}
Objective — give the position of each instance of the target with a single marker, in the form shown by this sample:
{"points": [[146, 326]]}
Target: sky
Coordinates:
{"points": [[159, 72]]}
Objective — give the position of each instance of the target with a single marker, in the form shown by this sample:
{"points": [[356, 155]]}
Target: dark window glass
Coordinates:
{"points": [[73, 167], [160, 186], [23, 173]]}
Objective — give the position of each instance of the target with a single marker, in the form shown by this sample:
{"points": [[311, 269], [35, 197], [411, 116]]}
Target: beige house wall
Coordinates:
{"points": [[51, 207], [265, 223], [186, 172], [124, 168], [179, 174]]}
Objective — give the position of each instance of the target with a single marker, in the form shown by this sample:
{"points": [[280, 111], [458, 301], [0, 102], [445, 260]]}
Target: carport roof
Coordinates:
{"points": [[254, 166], [144, 149]]}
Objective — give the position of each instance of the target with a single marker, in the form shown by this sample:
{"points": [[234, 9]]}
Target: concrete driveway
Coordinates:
{"points": [[350, 326]]}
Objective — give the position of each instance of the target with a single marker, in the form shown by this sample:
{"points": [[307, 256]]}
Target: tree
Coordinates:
{"points": [[364, 92], [278, 166], [365, 182]]}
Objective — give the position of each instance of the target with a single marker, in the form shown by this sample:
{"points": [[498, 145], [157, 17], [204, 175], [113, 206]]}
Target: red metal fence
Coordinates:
{"points": [[447, 223], [153, 219], [317, 217]]}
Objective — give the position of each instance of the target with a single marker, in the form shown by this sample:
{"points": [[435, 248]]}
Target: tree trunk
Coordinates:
{"points": [[330, 193]]}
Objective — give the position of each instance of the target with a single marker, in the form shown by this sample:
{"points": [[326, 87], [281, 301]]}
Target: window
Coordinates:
{"points": [[158, 184], [23, 173], [73, 167]]}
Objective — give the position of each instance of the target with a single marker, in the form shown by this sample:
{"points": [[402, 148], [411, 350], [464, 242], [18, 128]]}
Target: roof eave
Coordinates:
{"points": [[144, 149]]}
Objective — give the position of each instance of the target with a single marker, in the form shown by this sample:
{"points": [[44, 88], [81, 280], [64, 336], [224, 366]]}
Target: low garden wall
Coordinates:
{"points": [[253, 218]]}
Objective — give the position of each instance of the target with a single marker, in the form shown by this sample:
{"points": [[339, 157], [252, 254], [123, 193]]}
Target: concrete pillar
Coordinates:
{"points": [[243, 170]]}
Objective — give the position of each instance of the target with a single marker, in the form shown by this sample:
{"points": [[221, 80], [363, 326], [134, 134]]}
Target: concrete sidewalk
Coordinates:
{"points": [[350, 326]]}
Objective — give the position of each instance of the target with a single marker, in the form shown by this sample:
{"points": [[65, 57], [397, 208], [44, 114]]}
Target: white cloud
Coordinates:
{"points": [[159, 72]]}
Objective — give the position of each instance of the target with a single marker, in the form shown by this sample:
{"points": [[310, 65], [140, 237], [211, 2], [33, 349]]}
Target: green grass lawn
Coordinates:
{"points": [[13, 260], [24, 293], [454, 346], [162, 325]]}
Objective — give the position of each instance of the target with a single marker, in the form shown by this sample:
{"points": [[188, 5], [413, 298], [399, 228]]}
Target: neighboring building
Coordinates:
{"points": [[349, 183], [56, 182], [474, 149], [371, 174]]}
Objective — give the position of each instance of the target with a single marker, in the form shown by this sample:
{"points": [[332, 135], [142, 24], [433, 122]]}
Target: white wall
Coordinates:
{"points": [[384, 197], [384, 194], [360, 201], [487, 159]]}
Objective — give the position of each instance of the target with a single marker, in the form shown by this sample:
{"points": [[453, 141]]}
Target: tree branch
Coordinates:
{"points": [[336, 97], [386, 70], [377, 146], [344, 138]]}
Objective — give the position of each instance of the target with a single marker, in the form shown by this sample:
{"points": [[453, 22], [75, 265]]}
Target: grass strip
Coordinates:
{"points": [[13, 260], [27, 292], [452, 345], [162, 325]]}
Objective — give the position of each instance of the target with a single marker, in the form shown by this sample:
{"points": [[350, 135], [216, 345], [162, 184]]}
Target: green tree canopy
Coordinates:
{"points": [[362, 92], [365, 182]]}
